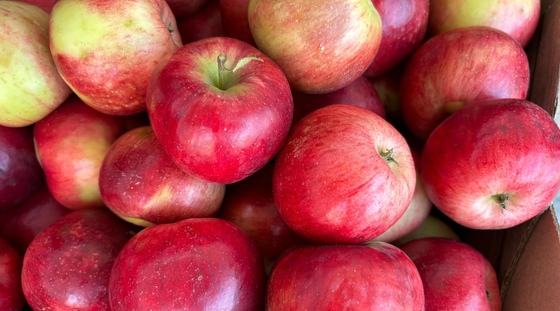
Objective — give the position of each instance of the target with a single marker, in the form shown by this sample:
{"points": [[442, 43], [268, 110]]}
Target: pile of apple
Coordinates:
{"points": [[264, 154]]}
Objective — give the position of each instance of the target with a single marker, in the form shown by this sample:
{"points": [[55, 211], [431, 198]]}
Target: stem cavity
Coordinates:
{"points": [[389, 156], [502, 199], [223, 70]]}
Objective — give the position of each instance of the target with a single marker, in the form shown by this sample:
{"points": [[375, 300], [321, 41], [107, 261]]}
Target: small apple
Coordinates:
{"points": [[387, 87], [236, 20], [432, 226], [205, 23], [11, 294], [330, 195], [31, 85], [320, 45]]}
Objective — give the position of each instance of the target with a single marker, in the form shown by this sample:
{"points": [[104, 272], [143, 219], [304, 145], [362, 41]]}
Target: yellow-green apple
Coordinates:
{"points": [[140, 184], [204, 23], [321, 45], [11, 294], [106, 50], [457, 67], [432, 226], [359, 93], [404, 27], [67, 266], [345, 175], [455, 275], [31, 85], [220, 108], [518, 18], [192, 264], [345, 277], [236, 20], [488, 166], [182, 9], [20, 172], [71, 144]]}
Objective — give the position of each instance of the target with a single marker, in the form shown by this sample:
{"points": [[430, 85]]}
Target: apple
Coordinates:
{"points": [[432, 226], [328, 194], [71, 144], [345, 277], [67, 266], [488, 165], [140, 184], [31, 85], [106, 50], [235, 20], [320, 45], [204, 23], [21, 224], [518, 18], [359, 93], [457, 67], [387, 87], [405, 24], [11, 294], [183, 9], [455, 275], [192, 264], [220, 108], [46, 5]]}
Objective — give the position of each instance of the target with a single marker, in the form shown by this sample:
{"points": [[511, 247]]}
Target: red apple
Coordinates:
{"points": [[455, 275], [220, 108], [140, 184], [193, 264], [387, 87], [488, 166], [11, 295], [236, 20], [182, 9], [457, 67], [71, 144], [204, 23], [432, 226], [404, 27], [68, 265], [106, 50], [328, 194], [345, 277], [320, 45]]}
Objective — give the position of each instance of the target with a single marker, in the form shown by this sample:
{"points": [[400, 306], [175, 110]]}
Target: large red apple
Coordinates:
{"points": [[345, 175], [236, 20], [220, 108], [345, 277], [106, 50], [11, 294], [204, 23], [193, 264], [67, 266], [456, 276], [490, 165], [450, 70], [320, 45], [139, 183]]}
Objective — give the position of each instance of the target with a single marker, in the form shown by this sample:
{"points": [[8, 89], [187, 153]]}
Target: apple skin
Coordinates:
{"points": [[220, 133], [68, 265], [518, 18], [488, 166], [71, 144], [196, 264], [46, 5], [205, 23], [329, 195], [140, 184], [405, 23], [320, 45], [452, 69], [182, 9], [21, 224], [20, 173], [455, 275], [345, 277], [432, 226], [236, 21], [11, 294], [108, 64], [31, 85], [387, 87]]}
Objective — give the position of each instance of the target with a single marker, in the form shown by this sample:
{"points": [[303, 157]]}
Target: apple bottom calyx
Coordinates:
{"points": [[222, 69], [389, 156], [502, 199]]}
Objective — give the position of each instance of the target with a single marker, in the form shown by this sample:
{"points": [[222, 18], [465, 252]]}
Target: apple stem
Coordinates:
{"points": [[222, 58], [502, 199], [388, 155]]}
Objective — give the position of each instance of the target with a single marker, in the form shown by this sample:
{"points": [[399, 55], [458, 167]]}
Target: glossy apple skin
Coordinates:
{"points": [[455, 275], [452, 69], [108, 64], [182, 9], [205, 23], [236, 20], [225, 133], [71, 144], [68, 265], [21, 224], [20, 173], [345, 277], [405, 23], [197, 264], [320, 45], [330, 195], [11, 294], [139, 183], [518, 18], [493, 147]]}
